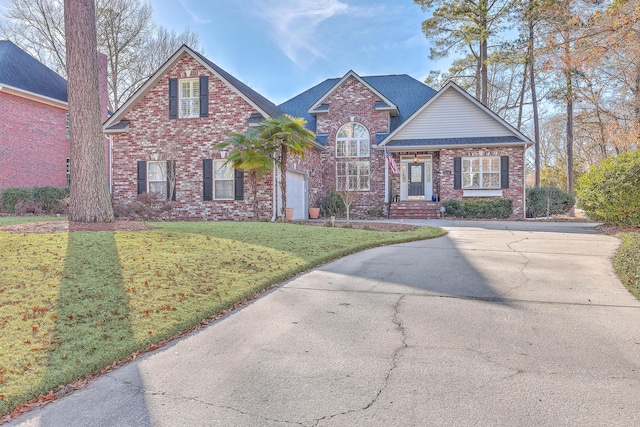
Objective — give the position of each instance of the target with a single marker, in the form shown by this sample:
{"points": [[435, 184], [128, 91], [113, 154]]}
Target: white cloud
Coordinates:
{"points": [[198, 19], [295, 26]]}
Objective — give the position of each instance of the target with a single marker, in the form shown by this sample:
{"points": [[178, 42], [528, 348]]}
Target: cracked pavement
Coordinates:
{"points": [[497, 323]]}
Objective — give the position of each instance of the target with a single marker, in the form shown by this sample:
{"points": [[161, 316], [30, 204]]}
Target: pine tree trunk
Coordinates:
{"points": [[89, 193], [534, 99]]}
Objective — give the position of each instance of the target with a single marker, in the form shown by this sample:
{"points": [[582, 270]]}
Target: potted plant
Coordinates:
{"points": [[288, 214], [314, 212]]}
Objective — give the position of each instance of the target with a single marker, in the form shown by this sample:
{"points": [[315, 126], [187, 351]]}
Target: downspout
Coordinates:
{"points": [[274, 197], [110, 138], [524, 182]]}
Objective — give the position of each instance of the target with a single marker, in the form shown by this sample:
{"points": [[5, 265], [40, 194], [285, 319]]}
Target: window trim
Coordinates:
{"points": [[163, 168], [353, 140], [357, 164], [481, 173], [231, 171], [194, 98]]}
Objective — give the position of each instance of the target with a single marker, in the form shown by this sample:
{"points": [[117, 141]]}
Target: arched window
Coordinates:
{"points": [[352, 140]]}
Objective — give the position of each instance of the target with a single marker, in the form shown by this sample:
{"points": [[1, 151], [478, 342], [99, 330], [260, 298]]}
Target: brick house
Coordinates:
{"points": [[444, 144], [34, 140]]}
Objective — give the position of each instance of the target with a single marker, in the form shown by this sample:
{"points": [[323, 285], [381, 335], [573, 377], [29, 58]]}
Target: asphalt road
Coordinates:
{"points": [[497, 324]]}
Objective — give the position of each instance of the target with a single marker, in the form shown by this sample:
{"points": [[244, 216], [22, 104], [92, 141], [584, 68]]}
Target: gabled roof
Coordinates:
{"points": [[20, 72], [386, 104], [259, 102], [404, 92], [517, 139]]}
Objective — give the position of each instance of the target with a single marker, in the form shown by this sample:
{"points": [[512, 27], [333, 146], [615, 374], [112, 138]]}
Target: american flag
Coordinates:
{"points": [[392, 163]]}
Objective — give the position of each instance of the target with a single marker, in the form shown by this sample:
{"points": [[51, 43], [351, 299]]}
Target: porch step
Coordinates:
{"points": [[414, 210]]}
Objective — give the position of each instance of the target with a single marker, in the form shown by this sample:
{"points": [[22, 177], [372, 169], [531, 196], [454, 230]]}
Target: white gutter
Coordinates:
{"points": [[34, 96]]}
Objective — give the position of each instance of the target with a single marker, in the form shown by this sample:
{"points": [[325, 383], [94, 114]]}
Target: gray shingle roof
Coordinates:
{"points": [[22, 71], [407, 93], [485, 140], [262, 102]]}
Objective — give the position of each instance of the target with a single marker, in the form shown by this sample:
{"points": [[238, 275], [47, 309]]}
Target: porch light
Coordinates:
{"points": [[415, 158]]}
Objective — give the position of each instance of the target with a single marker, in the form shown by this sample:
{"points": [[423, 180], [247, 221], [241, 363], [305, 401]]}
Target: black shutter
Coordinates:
{"points": [[207, 179], [171, 179], [504, 172], [142, 177], [173, 98], [204, 96], [457, 173], [239, 185]]}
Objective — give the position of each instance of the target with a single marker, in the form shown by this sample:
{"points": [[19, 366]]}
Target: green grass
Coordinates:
{"points": [[74, 303], [627, 262]]}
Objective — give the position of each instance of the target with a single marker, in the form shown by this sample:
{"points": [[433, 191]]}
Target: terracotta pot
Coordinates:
{"points": [[314, 213], [288, 213]]}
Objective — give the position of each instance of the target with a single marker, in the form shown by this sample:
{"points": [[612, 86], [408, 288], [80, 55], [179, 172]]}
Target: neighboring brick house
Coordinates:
{"points": [[445, 144], [34, 140]]}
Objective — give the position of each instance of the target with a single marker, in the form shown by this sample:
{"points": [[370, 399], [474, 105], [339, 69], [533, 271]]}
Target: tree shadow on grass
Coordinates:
{"points": [[93, 324]]}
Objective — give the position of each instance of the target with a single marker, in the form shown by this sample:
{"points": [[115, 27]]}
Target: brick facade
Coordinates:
{"points": [[154, 136], [354, 102], [34, 146], [33, 143], [515, 191]]}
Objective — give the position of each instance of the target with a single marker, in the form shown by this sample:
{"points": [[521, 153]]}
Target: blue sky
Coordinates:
{"points": [[283, 47]]}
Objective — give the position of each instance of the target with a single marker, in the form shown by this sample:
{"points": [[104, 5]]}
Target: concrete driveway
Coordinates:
{"points": [[497, 323]]}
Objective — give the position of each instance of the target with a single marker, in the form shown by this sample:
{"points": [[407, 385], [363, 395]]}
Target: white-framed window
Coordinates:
{"points": [[68, 172], [223, 177], [189, 98], [157, 177], [353, 175], [481, 172], [352, 140]]}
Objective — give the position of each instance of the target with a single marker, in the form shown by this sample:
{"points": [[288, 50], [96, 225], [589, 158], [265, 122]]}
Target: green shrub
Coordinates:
{"points": [[13, 195], [540, 199], [332, 205], [48, 197], [610, 191], [498, 208]]}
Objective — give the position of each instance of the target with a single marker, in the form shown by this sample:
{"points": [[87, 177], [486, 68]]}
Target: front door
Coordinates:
{"points": [[415, 180]]}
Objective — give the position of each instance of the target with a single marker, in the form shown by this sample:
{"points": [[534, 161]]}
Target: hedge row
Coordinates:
{"points": [[21, 200], [610, 191], [499, 208]]}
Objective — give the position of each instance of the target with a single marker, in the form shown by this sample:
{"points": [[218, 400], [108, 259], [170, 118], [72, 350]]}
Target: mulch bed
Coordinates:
{"points": [[66, 226]]}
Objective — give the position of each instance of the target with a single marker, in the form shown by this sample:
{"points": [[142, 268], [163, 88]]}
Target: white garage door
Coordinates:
{"points": [[297, 194]]}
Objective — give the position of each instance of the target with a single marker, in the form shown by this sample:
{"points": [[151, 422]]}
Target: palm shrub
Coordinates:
{"points": [[610, 191], [545, 201], [292, 139], [251, 154]]}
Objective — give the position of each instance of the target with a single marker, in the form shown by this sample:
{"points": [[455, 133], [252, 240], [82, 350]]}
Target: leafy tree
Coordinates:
{"points": [[89, 192], [610, 191], [252, 154], [126, 33], [466, 26], [291, 139]]}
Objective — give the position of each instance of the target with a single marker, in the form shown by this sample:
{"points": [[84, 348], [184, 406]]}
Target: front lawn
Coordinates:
{"points": [[74, 303], [627, 262]]}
